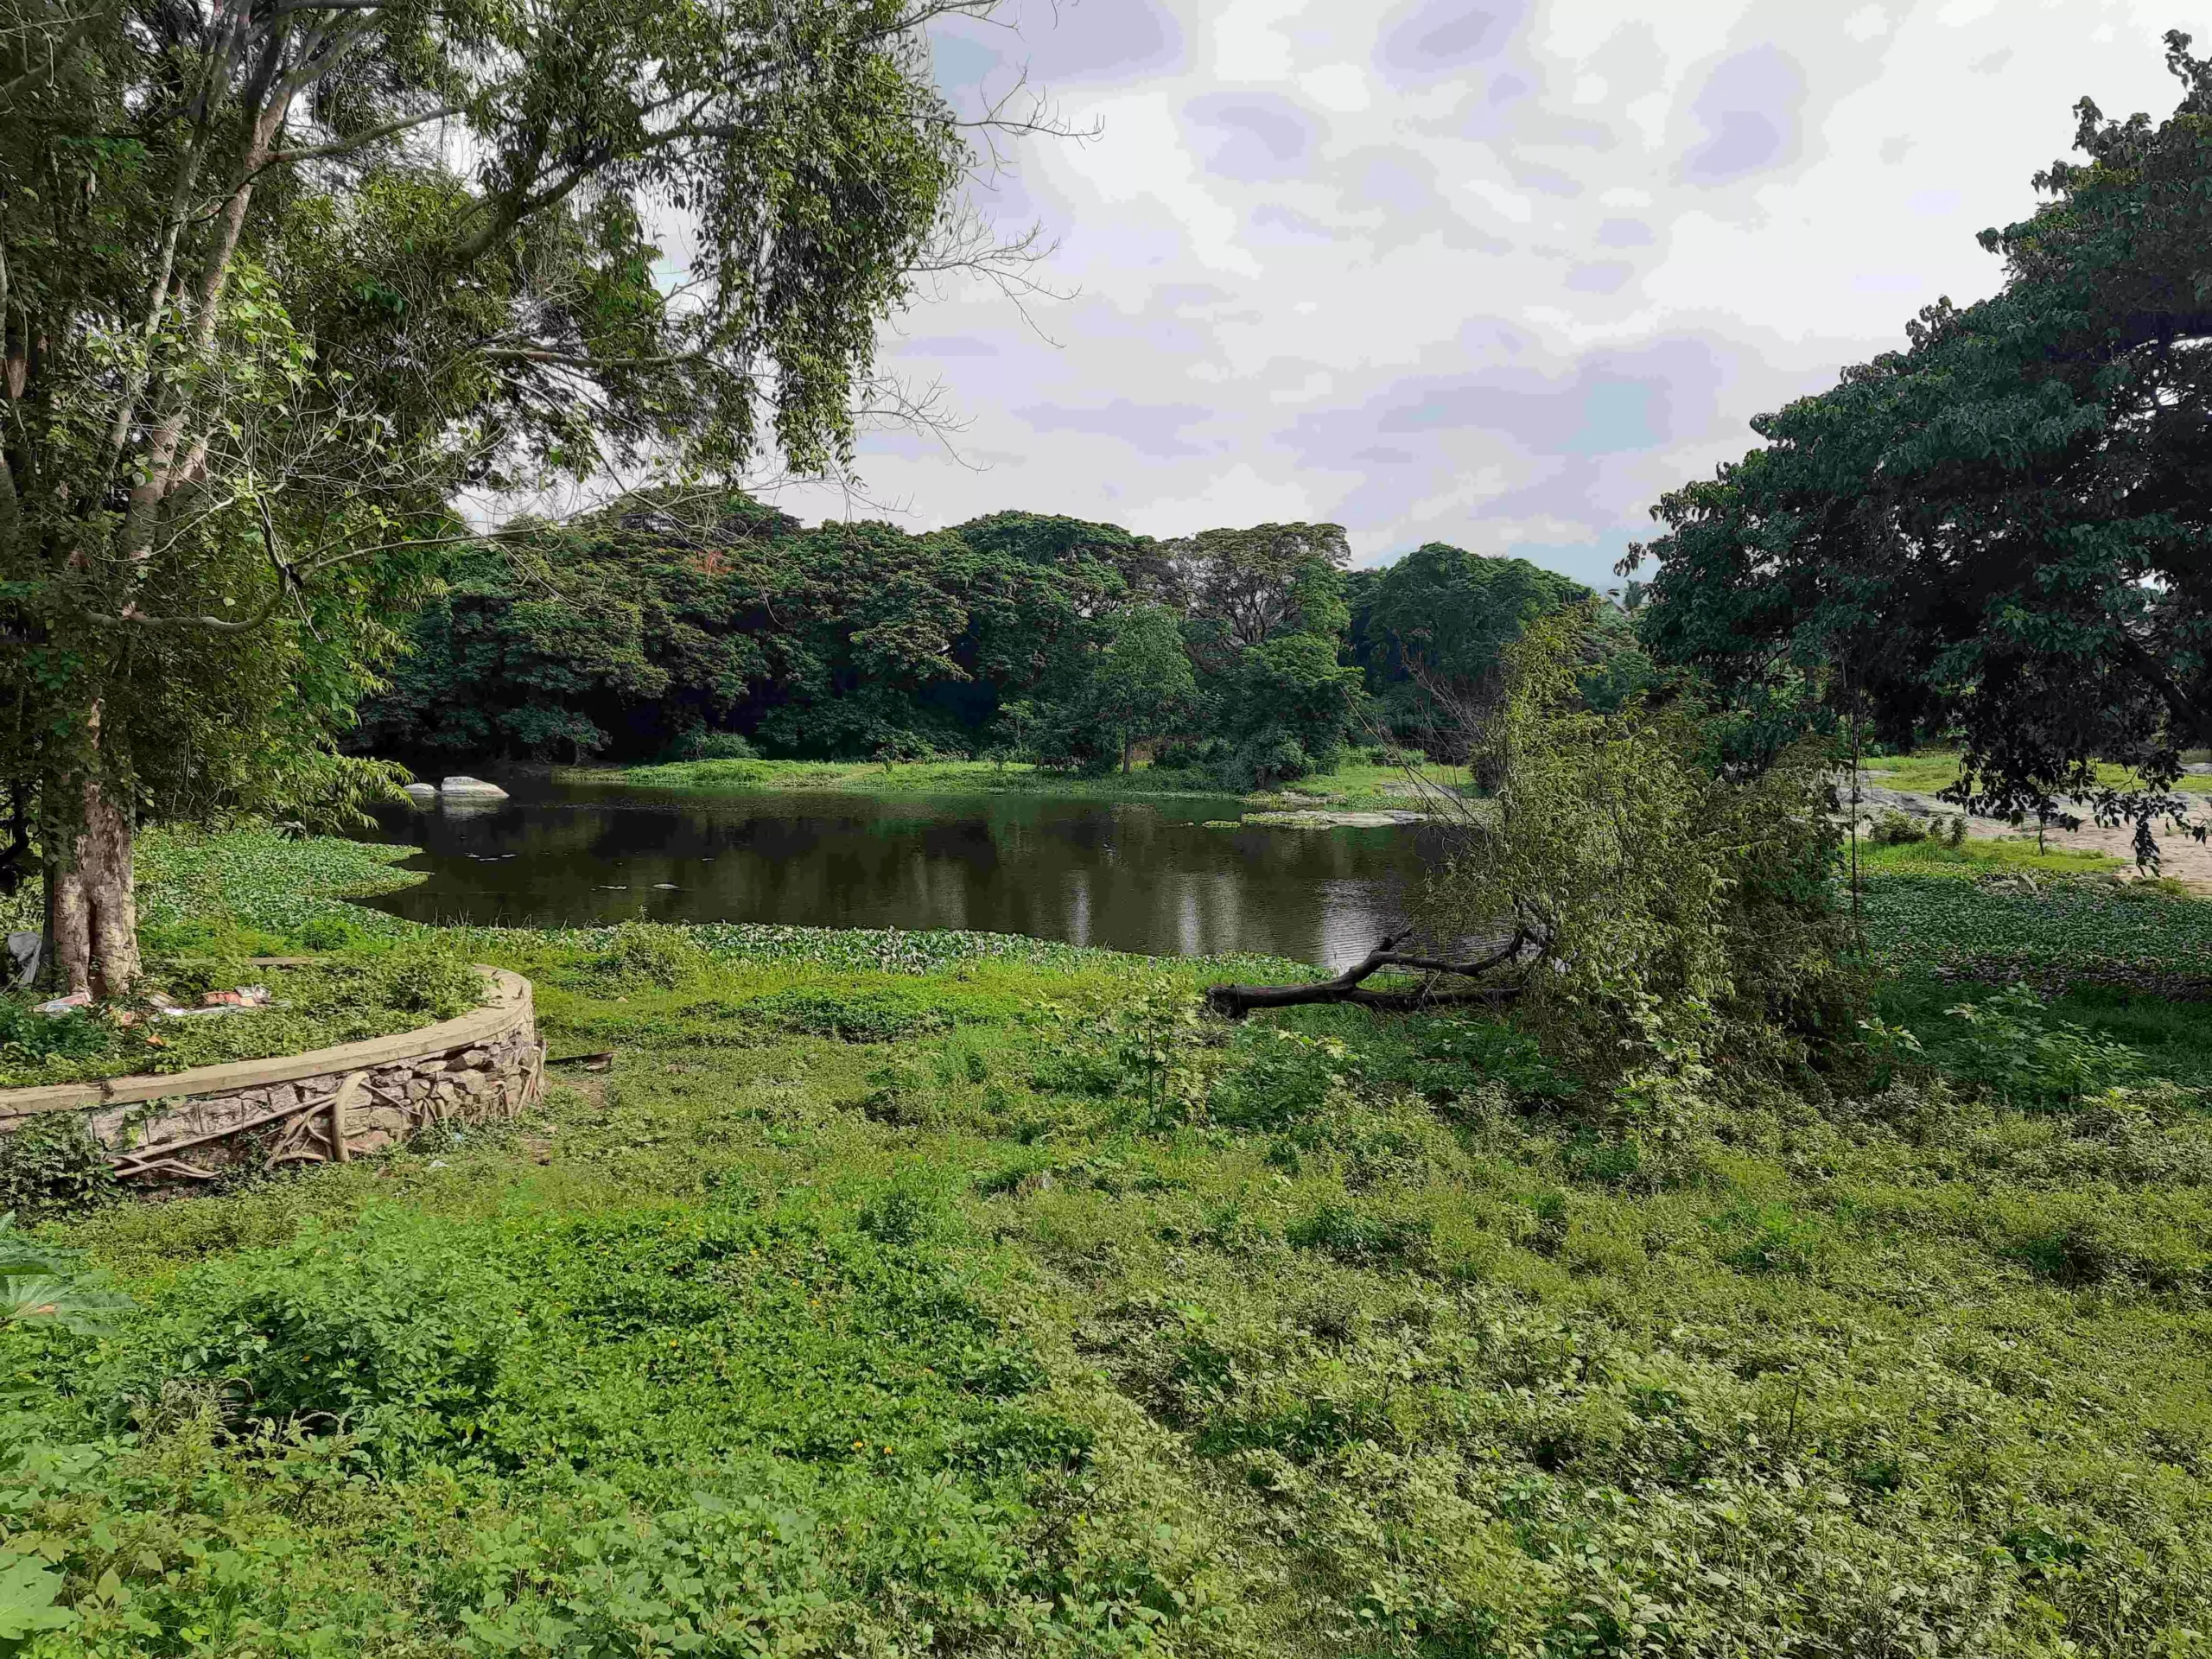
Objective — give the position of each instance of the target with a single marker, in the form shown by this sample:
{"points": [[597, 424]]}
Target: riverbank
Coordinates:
{"points": [[1357, 785], [959, 1293]]}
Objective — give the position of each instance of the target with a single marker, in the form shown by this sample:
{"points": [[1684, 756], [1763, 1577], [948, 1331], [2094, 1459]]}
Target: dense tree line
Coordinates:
{"points": [[1253, 653]]}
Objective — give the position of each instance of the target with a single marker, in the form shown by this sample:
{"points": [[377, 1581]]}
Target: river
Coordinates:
{"points": [[1145, 877]]}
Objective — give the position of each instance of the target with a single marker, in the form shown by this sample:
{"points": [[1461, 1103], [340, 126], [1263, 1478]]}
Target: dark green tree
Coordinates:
{"points": [[1241, 587], [278, 281], [2004, 530], [1286, 709], [1441, 617], [1136, 687]]}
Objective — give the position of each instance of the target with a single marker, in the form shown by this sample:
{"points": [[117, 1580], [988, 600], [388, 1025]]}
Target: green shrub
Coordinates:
{"points": [[1766, 1238], [330, 934], [859, 1016], [2013, 1044], [1275, 1077], [47, 1285], [392, 1334], [1607, 1163], [44, 1048], [648, 955], [1897, 830], [1671, 908], [1358, 1239], [52, 1165]]}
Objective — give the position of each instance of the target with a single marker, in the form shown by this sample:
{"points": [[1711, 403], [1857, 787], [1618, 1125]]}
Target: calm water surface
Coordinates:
{"points": [[1134, 877]]}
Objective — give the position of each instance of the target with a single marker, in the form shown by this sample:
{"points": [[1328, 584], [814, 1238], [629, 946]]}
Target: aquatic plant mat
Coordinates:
{"points": [[933, 1294]]}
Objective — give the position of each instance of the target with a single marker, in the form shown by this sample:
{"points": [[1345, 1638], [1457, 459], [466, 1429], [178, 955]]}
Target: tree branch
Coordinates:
{"points": [[1237, 1000]]}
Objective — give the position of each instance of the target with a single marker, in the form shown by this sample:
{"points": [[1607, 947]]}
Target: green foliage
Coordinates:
{"points": [[1285, 710], [1987, 925], [1871, 552], [1670, 912], [1137, 687], [369, 992], [1358, 1239], [51, 1165], [1766, 1238], [2013, 1044], [1328, 1330], [646, 954], [45, 1285], [391, 1334], [257, 389], [1441, 618], [863, 1016]]}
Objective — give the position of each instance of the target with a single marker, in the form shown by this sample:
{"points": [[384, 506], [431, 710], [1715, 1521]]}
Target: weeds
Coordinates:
{"points": [[902, 1294]]}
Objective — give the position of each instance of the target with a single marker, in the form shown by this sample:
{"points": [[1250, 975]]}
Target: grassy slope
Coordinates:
{"points": [[889, 1295], [1933, 769], [1356, 785]]}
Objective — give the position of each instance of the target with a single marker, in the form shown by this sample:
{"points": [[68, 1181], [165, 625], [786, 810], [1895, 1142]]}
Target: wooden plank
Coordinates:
{"points": [[509, 1009]]}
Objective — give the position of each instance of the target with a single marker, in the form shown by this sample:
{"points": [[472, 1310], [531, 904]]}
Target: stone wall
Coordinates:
{"points": [[332, 1105]]}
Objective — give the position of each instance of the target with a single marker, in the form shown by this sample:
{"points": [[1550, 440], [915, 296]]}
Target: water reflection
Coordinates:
{"points": [[1147, 878]]}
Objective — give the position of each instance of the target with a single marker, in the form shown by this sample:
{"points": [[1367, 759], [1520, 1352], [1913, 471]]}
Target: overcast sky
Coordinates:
{"points": [[1491, 274]]}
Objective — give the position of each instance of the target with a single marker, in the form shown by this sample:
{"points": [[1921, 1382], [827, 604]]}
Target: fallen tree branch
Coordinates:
{"points": [[1235, 1001]]}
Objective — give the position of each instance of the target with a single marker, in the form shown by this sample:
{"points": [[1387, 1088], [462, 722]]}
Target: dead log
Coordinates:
{"points": [[1235, 1001]]}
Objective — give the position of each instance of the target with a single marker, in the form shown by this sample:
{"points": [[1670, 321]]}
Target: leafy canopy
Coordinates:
{"points": [[281, 283], [2003, 530]]}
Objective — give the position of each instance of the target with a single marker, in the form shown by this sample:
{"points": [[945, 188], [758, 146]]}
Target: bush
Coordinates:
{"points": [[52, 1165], [392, 1333], [423, 978], [1766, 1238], [1265, 762], [1359, 1240], [701, 745], [1672, 909], [848, 1016], [2013, 1044], [1897, 830], [647, 954], [31, 1042], [330, 934]]}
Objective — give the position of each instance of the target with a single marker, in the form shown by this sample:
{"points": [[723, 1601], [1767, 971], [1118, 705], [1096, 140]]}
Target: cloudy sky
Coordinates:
{"points": [[1496, 273]]}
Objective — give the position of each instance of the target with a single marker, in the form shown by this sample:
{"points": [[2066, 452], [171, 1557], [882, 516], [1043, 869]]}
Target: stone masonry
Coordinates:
{"points": [[171, 1133]]}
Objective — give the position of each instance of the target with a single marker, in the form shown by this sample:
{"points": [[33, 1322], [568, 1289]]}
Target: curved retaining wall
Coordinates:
{"points": [[328, 1105]]}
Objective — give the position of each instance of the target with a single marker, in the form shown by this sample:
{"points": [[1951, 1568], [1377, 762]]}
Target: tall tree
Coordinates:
{"points": [[1243, 587], [277, 281], [2006, 528], [1144, 685]]}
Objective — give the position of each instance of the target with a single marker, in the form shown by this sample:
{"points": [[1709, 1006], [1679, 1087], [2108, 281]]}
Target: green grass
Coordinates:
{"points": [[345, 999], [1979, 856], [1931, 770], [1356, 785], [939, 1295]]}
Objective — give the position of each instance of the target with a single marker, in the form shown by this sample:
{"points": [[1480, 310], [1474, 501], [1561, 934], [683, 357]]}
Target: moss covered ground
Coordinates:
{"points": [[944, 1295]]}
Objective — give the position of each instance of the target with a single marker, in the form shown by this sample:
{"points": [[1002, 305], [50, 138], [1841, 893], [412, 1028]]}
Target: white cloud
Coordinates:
{"points": [[1867, 23], [1339, 86], [1491, 299]]}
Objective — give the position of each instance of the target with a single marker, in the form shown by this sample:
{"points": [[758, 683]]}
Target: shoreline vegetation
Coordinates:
{"points": [[1354, 785], [982, 1276]]}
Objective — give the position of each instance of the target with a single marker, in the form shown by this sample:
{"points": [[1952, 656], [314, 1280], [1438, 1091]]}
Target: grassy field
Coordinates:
{"points": [[949, 1294], [1931, 770], [1357, 784]]}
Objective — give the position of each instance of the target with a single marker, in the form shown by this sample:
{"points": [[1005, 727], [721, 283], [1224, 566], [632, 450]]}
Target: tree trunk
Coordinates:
{"points": [[1238, 1001], [91, 901]]}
